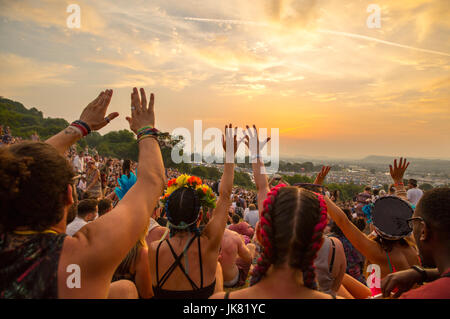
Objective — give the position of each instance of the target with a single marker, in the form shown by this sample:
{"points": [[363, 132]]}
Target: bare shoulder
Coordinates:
{"points": [[338, 244], [219, 295], [74, 248]]}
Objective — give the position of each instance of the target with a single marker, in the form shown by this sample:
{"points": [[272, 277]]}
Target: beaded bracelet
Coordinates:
{"points": [[152, 131], [145, 128], [147, 136]]}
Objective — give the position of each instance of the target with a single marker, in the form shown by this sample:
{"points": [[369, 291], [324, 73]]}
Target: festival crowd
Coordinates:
{"points": [[140, 230]]}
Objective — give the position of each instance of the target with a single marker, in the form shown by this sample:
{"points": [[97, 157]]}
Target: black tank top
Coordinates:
{"points": [[196, 292], [29, 265]]}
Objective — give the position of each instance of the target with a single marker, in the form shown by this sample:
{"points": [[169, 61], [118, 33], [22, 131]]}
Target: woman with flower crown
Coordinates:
{"points": [[185, 264]]}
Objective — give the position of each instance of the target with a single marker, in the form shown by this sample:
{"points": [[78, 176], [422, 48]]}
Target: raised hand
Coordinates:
{"points": [[141, 115], [252, 134], [322, 175], [94, 114], [230, 136], [397, 172]]}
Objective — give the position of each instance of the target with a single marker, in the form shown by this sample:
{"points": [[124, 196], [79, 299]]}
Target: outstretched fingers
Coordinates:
{"points": [[143, 99]]}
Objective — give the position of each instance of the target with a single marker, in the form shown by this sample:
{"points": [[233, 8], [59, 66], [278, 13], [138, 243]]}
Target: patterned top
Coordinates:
{"points": [[96, 189], [29, 265], [355, 260]]}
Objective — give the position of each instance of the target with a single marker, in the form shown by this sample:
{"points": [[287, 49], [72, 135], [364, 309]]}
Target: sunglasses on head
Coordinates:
{"points": [[312, 187]]}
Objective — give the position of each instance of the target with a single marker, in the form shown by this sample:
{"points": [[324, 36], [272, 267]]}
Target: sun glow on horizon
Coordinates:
{"points": [[311, 68]]}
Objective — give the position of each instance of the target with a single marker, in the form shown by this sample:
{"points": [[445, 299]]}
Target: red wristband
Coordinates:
{"points": [[82, 128]]}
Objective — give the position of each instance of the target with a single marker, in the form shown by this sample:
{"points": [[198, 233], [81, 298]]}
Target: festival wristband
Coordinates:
{"points": [[83, 124], [77, 129], [148, 127], [396, 184], [152, 131], [147, 136], [81, 128]]}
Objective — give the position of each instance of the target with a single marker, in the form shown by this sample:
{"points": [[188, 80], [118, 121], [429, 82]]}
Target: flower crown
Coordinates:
{"points": [[204, 192]]}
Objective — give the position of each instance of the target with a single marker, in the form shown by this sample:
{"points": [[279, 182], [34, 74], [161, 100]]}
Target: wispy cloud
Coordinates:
{"points": [[20, 72]]}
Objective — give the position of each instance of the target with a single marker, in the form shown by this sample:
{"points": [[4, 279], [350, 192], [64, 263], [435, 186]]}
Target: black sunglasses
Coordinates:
{"points": [[411, 220]]}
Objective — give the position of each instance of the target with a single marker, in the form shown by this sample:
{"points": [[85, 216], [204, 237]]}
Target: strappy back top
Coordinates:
{"points": [[196, 292]]}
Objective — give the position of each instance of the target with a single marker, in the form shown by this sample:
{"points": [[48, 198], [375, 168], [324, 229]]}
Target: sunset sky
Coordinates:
{"points": [[313, 69]]}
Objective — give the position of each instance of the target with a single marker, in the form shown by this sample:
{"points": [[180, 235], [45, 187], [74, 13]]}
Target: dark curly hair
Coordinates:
{"points": [[434, 207], [291, 229], [33, 187]]}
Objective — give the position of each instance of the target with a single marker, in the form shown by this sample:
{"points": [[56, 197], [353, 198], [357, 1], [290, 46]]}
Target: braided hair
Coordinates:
{"points": [[291, 229]]}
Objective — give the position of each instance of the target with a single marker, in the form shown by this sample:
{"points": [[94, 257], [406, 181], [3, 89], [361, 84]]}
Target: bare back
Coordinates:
{"points": [[177, 280], [229, 253], [400, 258]]}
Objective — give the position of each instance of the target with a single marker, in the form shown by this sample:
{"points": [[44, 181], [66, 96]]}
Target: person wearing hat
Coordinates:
{"points": [[390, 248]]}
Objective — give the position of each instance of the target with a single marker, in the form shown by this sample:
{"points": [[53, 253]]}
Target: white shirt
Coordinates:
{"points": [[75, 226], [414, 194], [78, 163], [82, 185], [251, 217]]}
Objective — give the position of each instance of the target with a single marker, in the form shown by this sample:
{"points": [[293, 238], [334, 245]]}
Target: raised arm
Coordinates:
{"points": [[107, 240], [216, 226], [93, 115], [397, 173], [259, 170], [366, 246], [320, 178]]}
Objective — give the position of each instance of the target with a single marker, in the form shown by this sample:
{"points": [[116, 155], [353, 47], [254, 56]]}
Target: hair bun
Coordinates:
{"points": [[13, 172]]}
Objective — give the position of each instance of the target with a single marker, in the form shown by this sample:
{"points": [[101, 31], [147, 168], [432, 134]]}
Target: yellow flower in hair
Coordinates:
{"points": [[171, 189], [182, 179]]}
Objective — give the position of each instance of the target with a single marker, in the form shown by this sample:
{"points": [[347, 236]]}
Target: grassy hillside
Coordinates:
{"points": [[23, 122]]}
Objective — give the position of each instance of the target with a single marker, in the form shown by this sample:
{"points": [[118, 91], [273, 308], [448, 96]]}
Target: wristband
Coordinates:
{"points": [[147, 131], [84, 125], [147, 136], [422, 272], [145, 128], [396, 184], [81, 128]]}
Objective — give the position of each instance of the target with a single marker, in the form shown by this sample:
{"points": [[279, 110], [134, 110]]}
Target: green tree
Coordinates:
{"points": [[426, 187]]}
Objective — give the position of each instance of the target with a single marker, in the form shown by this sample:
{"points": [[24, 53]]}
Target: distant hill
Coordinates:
{"points": [[375, 159], [23, 122], [377, 162]]}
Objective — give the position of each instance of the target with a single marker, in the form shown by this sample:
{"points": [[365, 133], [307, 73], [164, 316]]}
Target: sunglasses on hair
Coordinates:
{"points": [[312, 187]]}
